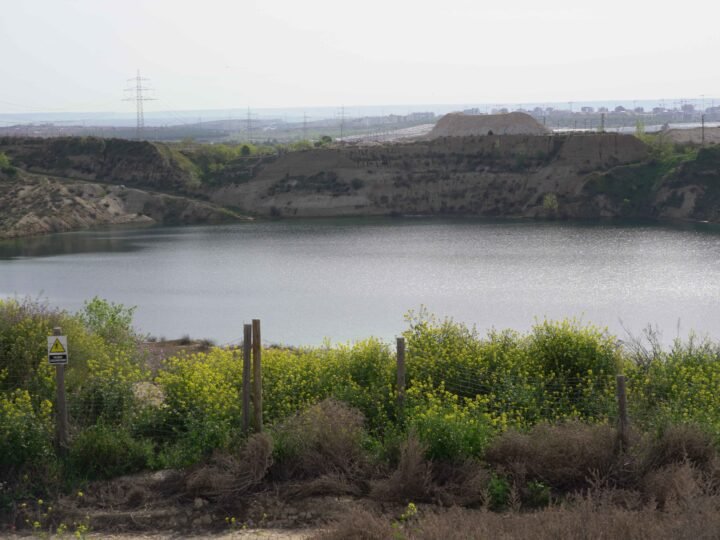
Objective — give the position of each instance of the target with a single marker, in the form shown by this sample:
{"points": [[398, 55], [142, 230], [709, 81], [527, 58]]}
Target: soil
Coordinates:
{"points": [[694, 135], [39, 204], [159, 505], [464, 125], [263, 534]]}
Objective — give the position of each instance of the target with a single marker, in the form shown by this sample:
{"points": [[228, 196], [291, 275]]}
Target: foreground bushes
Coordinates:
{"points": [[105, 364], [498, 398]]}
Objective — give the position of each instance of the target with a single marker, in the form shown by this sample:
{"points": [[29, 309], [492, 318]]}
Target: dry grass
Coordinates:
{"points": [[359, 524], [418, 479], [678, 484], [326, 439], [567, 457], [678, 443], [412, 480], [587, 518], [227, 476], [463, 484]]}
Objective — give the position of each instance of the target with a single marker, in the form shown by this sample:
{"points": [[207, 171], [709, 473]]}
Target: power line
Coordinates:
{"points": [[138, 98]]}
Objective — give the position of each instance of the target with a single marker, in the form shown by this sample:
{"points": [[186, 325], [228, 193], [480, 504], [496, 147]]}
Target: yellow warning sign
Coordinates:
{"points": [[57, 348]]}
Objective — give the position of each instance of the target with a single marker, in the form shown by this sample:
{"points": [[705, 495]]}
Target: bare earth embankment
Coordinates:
{"points": [[66, 184], [69, 184]]}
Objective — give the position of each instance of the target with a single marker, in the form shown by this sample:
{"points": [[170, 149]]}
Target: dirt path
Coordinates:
{"points": [[262, 534]]}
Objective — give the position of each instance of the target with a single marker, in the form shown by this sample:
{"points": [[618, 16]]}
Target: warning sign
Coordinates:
{"points": [[57, 350]]}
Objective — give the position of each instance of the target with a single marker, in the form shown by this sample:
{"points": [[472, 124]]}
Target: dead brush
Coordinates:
{"points": [[360, 524], [678, 443], [675, 485], [461, 484], [325, 439], [228, 475], [563, 456], [583, 519], [327, 484], [412, 480]]}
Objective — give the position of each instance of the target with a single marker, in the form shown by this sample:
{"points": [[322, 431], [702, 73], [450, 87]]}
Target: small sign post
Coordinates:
{"points": [[58, 357]]}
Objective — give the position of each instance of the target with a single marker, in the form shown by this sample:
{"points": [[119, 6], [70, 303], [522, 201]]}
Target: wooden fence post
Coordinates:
{"points": [[400, 377], [246, 377], [623, 424], [257, 375], [62, 418]]}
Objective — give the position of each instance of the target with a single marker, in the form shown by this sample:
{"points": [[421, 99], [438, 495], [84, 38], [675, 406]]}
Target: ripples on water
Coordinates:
{"points": [[349, 279]]}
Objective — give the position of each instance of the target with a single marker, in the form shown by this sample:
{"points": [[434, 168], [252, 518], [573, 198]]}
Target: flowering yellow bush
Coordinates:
{"points": [[678, 386], [25, 431]]}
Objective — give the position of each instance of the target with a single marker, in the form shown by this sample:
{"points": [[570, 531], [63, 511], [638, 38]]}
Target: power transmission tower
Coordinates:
{"points": [[305, 132], [342, 121], [248, 126], [138, 98]]}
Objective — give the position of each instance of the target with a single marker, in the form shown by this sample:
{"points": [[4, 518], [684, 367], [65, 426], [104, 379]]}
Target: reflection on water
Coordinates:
{"points": [[65, 244], [352, 278]]}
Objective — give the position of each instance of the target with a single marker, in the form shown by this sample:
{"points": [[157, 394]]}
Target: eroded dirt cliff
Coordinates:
{"points": [[512, 175], [32, 204]]}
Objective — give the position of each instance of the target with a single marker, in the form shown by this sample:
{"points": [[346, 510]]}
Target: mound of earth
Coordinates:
{"points": [[463, 125]]}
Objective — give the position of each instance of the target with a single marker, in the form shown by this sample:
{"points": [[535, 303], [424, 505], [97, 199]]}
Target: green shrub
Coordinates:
{"points": [[5, 165], [560, 370], [109, 400], [361, 375], [24, 327], [679, 386], [578, 367], [110, 321], [25, 431], [499, 492], [103, 451], [450, 427], [202, 405]]}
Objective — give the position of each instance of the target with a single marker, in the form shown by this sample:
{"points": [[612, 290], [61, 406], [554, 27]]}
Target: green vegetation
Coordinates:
{"points": [[505, 398], [5, 165], [703, 171], [219, 164], [223, 163], [632, 186]]}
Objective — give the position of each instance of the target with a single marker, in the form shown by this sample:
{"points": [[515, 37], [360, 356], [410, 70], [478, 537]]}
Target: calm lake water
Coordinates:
{"points": [[350, 279]]}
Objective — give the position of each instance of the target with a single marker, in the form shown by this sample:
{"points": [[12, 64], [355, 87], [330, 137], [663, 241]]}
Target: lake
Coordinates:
{"points": [[348, 279]]}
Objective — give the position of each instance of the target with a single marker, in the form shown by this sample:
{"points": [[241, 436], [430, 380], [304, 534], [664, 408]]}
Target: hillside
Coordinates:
{"points": [[116, 161], [487, 176], [34, 204], [76, 183]]}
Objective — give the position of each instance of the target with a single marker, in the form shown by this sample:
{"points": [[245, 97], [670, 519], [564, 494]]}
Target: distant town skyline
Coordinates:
{"points": [[68, 56]]}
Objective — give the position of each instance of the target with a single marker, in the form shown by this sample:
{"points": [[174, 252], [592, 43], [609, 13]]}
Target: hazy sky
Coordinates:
{"points": [[75, 55]]}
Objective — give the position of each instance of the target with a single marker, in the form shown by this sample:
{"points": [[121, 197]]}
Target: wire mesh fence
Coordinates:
{"points": [[210, 390]]}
